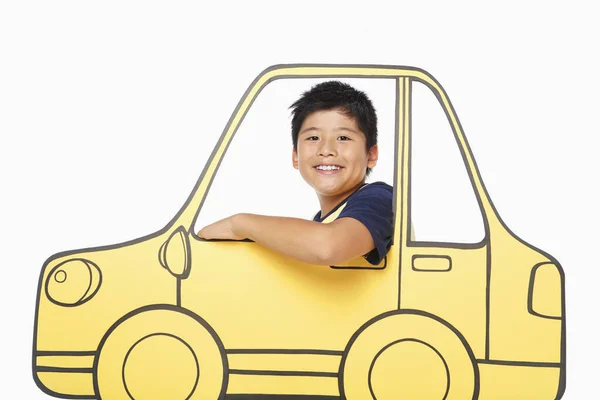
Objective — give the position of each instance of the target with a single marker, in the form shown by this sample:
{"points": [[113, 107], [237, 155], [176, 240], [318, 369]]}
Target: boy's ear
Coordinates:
{"points": [[373, 156], [295, 158]]}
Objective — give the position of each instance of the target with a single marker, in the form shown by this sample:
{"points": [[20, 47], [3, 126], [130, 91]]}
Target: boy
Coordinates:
{"points": [[334, 135]]}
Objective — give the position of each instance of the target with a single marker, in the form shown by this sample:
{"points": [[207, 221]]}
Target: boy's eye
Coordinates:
{"points": [[343, 138], [312, 138]]}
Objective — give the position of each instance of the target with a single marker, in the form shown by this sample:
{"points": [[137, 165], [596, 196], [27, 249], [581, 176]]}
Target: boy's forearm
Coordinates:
{"points": [[303, 240]]}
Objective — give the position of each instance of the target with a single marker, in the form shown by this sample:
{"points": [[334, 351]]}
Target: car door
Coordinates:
{"points": [[444, 266], [255, 298]]}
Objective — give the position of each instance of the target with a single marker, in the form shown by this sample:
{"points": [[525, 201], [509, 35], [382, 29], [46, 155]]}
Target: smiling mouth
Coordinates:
{"points": [[327, 168]]}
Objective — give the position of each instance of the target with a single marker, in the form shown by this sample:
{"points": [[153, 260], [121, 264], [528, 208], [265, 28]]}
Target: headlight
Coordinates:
{"points": [[73, 282], [545, 291]]}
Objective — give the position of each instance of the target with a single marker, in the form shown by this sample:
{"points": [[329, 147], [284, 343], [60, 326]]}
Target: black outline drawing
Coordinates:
{"points": [[416, 256], [403, 129], [374, 267], [161, 334], [485, 241], [84, 298], [172, 308], [279, 396], [530, 292], [409, 340], [182, 234], [422, 314]]}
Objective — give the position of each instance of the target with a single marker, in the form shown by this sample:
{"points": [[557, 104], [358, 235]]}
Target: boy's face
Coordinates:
{"points": [[331, 154]]}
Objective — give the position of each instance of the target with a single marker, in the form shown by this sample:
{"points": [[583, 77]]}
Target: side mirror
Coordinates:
{"points": [[175, 255]]}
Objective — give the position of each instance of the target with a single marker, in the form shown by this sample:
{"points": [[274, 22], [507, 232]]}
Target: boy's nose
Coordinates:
{"points": [[327, 148]]}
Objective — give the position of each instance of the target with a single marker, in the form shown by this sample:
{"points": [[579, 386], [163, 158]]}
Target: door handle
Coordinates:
{"points": [[431, 263]]}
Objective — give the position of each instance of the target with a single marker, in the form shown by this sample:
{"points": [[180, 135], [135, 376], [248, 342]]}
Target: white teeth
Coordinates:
{"points": [[328, 167]]}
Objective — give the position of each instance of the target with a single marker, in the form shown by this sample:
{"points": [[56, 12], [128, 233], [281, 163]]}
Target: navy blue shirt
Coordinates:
{"points": [[372, 205]]}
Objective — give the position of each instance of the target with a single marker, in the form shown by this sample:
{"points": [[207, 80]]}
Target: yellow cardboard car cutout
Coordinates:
{"points": [[154, 319]]}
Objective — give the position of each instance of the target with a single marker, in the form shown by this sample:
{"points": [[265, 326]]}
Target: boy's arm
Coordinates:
{"points": [[309, 241]]}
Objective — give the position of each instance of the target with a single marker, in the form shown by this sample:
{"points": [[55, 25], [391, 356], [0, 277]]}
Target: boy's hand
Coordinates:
{"points": [[223, 229]]}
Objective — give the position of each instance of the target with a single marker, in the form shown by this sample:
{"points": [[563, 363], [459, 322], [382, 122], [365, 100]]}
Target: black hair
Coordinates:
{"points": [[333, 95]]}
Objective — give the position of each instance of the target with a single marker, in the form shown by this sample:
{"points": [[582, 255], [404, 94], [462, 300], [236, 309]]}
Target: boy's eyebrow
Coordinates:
{"points": [[314, 128], [343, 128]]}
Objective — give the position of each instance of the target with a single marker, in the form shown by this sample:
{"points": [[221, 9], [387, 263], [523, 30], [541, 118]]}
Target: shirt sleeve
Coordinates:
{"points": [[372, 206]]}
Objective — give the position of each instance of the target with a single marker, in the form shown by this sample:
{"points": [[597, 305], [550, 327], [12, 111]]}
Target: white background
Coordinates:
{"points": [[108, 111]]}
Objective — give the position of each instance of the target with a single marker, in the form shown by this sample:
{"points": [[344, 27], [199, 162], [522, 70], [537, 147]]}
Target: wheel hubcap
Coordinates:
{"points": [[409, 369], [160, 366]]}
